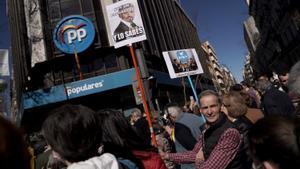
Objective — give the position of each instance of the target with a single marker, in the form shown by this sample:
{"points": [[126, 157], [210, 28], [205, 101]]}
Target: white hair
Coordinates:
{"points": [[174, 111], [137, 112]]}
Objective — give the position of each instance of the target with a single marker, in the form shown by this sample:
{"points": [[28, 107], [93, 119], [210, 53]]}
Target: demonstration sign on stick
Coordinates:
{"points": [[126, 28], [184, 62], [125, 22]]}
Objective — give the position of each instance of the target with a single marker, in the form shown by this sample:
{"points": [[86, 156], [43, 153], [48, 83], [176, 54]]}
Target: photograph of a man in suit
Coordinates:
{"points": [[127, 28]]}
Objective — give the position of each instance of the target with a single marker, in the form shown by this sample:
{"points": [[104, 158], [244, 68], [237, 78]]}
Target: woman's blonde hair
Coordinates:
{"points": [[235, 104]]}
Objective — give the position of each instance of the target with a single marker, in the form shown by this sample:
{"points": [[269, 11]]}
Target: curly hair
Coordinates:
{"points": [[235, 104]]}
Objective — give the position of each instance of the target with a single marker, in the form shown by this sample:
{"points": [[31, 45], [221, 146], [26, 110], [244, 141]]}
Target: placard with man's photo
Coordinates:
{"points": [[125, 23], [182, 63]]}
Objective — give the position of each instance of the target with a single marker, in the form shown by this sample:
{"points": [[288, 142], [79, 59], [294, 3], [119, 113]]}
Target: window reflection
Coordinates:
{"points": [[86, 6], [70, 7]]}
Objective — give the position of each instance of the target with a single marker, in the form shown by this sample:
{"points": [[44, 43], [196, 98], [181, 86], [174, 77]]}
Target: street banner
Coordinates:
{"points": [[125, 22], [184, 62]]}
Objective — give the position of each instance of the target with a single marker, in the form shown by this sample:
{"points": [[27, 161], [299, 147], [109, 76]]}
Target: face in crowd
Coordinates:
{"points": [[210, 108], [283, 79], [127, 14], [135, 116]]}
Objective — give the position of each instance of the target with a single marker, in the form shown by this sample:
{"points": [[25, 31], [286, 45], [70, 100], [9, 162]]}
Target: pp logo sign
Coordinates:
{"points": [[74, 33]]}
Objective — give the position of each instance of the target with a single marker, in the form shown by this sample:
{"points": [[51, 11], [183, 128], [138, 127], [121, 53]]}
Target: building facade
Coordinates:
{"points": [[251, 34], [46, 77], [279, 26], [252, 39], [214, 66], [228, 78], [5, 84], [248, 71]]}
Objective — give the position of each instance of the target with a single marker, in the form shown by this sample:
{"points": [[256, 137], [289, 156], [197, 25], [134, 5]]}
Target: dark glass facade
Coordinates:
{"points": [[278, 24]]}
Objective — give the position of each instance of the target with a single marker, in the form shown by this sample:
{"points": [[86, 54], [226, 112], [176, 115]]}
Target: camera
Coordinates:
{"points": [[164, 120]]}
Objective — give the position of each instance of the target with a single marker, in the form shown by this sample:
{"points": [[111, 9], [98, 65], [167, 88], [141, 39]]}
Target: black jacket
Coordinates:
{"points": [[142, 129], [276, 102], [212, 136], [119, 33], [243, 124]]}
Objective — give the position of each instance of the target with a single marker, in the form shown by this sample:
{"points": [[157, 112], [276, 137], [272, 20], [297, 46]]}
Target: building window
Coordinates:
{"points": [[69, 7], [54, 10], [110, 61], [86, 6], [98, 64]]}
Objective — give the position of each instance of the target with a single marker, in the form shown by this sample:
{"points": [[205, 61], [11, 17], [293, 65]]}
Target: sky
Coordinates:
{"points": [[221, 23], [218, 21]]}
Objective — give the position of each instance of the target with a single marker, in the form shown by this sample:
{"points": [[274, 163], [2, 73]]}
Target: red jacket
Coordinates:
{"points": [[150, 159]]}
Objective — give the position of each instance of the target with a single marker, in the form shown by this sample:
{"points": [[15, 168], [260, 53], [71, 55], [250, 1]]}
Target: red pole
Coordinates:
{"points": [[138, 77]]}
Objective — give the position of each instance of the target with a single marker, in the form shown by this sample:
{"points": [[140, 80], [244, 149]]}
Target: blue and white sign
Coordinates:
{"points": [[72, 33], [184, 62], [78, 89]]}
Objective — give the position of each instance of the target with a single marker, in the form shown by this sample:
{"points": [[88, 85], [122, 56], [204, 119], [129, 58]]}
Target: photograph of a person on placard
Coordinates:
{"points": [[127, 28], [182, 61]]}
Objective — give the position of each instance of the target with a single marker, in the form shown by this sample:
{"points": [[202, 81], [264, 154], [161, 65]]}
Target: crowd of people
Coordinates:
{"points": [[249, 127]]}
